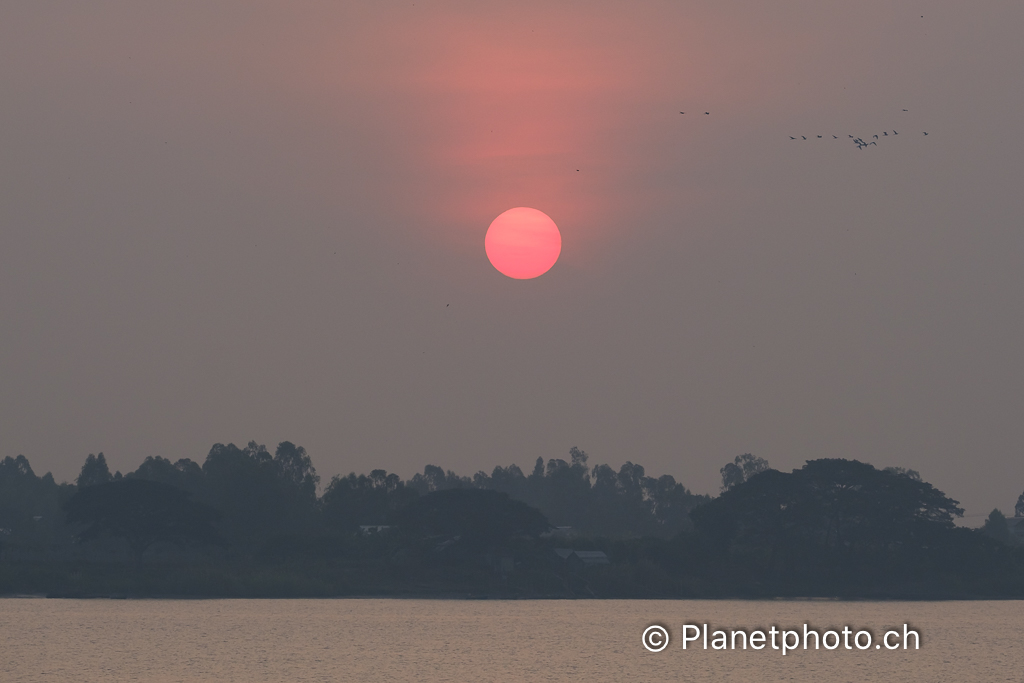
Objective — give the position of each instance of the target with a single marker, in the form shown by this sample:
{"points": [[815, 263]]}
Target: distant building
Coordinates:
{"points": [[579, 560], [563, 553]]}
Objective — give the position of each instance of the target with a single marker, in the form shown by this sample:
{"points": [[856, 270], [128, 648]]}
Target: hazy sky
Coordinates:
{"points": [[234, 221]]}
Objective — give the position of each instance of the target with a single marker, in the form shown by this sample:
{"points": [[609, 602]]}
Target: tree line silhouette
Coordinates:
{"points": [[250, 522], [251, 495]]}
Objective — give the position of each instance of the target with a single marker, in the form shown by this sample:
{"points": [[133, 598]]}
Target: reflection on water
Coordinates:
{"points": [[432, 640]]}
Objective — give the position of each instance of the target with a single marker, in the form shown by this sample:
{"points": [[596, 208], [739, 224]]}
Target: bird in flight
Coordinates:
{"points": [[926, 133], [707, 113]]}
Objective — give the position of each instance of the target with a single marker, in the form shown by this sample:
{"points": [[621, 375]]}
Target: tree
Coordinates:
{"points": [[142, 513], [260, 495], [828, 511], [94, 471], [563, 493], [742, 468], [538, 469], [672, 503], [354, 500], [996, 527], [435, 478], [870, 506], [1018, 509], [297, 467], [184, 474]]}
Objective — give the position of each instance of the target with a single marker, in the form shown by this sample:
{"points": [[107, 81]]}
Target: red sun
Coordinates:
{"points": [[523, 243]]}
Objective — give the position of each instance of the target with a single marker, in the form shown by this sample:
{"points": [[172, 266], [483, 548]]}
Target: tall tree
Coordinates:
{"points": [[742, 468], [996, 527], [296, 467], [354, 500], [94, 471]]}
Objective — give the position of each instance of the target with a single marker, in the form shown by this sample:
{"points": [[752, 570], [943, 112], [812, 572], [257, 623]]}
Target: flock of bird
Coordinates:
{"points": [[860, 142]]}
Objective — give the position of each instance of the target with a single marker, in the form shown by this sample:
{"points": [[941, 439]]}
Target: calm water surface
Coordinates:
{"points": [[90, 641]]}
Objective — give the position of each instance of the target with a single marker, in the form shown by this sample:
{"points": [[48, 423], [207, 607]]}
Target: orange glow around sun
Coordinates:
{"points": [[523, 243]]}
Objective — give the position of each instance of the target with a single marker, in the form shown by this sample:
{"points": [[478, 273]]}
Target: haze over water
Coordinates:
{"points": [[433, 640]]}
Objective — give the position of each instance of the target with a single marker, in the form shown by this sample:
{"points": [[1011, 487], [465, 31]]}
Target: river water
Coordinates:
{"points": [[88, 641]]}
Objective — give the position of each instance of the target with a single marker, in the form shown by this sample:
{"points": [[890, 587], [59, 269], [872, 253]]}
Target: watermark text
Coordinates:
{"points": [[656, 638]]}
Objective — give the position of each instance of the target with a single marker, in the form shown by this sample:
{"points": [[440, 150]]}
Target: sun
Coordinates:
{"points": [[523, 243]]}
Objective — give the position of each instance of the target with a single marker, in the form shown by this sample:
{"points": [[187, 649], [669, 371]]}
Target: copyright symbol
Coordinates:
{"points": [[655, 638]]}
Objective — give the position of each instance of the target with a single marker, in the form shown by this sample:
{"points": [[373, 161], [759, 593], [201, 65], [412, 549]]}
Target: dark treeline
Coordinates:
{"points": [[250, 522], [260, 495]]}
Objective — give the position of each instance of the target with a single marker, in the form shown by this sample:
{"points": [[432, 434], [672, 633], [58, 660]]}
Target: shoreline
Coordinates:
{"points": [[493, 598]]}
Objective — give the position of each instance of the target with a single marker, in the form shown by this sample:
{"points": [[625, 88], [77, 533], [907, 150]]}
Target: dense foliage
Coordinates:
{"points": [[248, 522], [143, 513]]}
